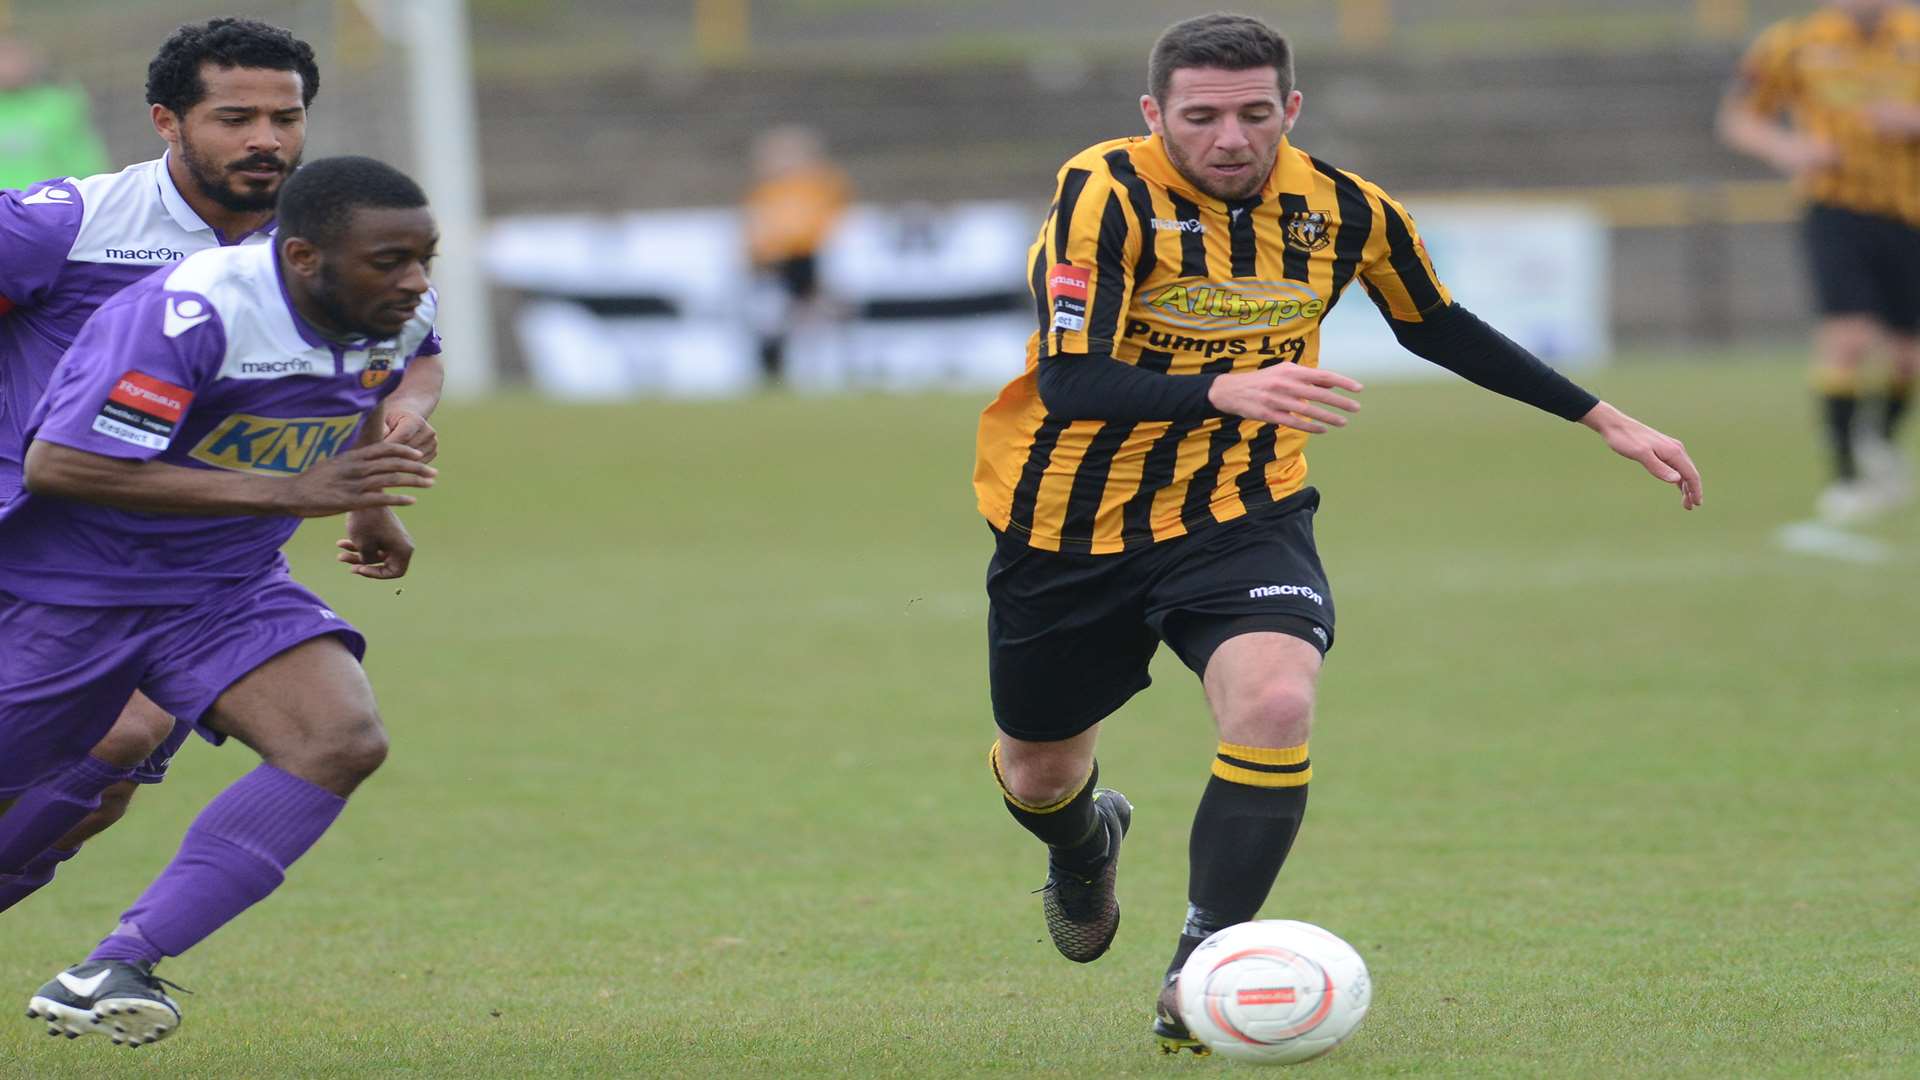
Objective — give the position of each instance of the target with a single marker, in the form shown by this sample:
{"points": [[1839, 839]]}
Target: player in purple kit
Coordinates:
{"points": [[199, 415], [230, 99]]}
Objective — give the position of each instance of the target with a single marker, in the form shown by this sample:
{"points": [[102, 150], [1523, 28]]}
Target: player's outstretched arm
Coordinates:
{"points": [[1662, 455], [356, 480]]}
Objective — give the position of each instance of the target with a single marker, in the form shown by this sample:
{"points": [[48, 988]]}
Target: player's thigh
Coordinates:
{"points": [[269, 663], [313, 694], [1261, 687], [1258, 574], [1843, 253], [1899, 267], [1067, 639], [68, 673]]}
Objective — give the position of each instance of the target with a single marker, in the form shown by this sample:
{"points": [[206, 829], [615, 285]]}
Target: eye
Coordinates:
{"points": [[233, 121]]}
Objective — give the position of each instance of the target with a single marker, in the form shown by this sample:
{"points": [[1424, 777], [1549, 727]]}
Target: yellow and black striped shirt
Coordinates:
{"points": [[1134, 262], [1825, 70]]}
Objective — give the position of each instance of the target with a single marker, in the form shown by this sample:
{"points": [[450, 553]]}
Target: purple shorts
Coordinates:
{"points": [[154, 769], [66, 672]]}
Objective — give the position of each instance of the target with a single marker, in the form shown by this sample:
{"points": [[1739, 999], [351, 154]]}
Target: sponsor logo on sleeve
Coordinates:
{"points": [[1067, 293], [143, 410], [273, 445]]}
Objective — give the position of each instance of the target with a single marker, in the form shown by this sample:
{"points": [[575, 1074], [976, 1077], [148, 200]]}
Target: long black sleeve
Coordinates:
{"points": [[1457, 339], [1098, 387]]}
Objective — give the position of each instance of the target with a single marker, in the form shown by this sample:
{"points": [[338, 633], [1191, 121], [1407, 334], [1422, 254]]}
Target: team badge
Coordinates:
{"points": [[1307, 230], [379, 366]]}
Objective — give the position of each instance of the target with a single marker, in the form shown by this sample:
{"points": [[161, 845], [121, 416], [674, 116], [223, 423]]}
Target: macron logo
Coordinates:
{"points": [[52, 196], [1286, 590], [184, 315]]}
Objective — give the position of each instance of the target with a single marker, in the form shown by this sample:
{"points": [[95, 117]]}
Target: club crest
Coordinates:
{"points": [[379, 366], [1307, 230]]}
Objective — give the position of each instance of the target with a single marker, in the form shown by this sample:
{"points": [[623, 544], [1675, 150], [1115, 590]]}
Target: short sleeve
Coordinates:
{"points": [[1083, 268], [422, 326], [1395, 268], [1766, 81], [128, 381], [37, 229]]}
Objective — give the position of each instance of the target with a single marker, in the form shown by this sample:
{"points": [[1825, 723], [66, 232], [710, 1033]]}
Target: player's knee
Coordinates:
{"points": [[1041, 779], [1276, 712], [359, 750]]}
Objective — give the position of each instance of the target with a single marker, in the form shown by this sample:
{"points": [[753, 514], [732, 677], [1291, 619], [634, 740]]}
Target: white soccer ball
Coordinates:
{"points": [[1274, 991]]}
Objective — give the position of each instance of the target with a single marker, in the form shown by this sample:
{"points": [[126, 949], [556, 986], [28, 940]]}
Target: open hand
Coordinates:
{"points": [[1301, 398], [357, 480], [1661, 455]]}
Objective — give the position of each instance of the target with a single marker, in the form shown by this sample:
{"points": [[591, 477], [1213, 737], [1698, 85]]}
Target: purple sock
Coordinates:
{"points": [[44, 814], [235, 853], [38, 871]]}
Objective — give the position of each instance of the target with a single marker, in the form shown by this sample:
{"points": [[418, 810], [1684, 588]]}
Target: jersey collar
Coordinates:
{"points": [[1292, 171], [178, 209]]}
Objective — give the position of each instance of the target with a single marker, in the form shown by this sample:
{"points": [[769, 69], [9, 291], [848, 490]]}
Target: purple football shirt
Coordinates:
{"points": [[204, 365], [66, 246]]}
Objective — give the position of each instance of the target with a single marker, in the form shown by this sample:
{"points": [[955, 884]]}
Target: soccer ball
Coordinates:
{"points": [[1274, 991]]}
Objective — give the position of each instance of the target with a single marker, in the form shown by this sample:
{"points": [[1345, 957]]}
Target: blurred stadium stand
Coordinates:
{"points": [[600, 105]]}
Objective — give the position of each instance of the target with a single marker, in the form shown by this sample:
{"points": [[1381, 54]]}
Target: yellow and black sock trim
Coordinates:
{"points": [[1068, 823], [1263, 766], [1834, 381]]}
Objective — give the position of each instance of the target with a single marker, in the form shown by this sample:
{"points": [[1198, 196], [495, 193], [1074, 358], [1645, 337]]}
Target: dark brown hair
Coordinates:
{"points": [[1221, 40]]}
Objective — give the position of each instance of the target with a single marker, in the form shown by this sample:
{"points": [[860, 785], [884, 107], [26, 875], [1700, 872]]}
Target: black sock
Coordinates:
{"points": [[1894, 408], [1242, 832], [1075, 836], [1838, 411]]}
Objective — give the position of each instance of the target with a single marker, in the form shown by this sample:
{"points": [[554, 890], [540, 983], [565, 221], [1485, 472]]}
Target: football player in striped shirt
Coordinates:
{"points": [[1144, 477], [1832, 100]]}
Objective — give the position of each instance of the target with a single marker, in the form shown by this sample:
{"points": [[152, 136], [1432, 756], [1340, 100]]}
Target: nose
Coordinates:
{"points": [[1233, 137], [416, 281], [262, 137]]}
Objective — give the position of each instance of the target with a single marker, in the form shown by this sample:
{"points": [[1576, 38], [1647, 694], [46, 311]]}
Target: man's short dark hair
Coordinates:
{"points": [[173, 77], [1228, 42], [319, 199]]}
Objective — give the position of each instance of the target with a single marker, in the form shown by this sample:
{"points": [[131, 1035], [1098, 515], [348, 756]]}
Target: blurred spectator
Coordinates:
{"points": [[797, 198], [45, 130]]}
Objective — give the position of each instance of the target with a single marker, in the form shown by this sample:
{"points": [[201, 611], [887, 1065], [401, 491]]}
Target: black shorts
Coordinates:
{"points": [[1864, 264], [1069, 636], [799, 276]]}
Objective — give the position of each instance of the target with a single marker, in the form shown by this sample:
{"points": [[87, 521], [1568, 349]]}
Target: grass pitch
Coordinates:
{"points": [[689, 719]]}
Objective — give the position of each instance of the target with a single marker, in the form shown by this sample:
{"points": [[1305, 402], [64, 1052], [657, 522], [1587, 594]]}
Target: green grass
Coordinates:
{"points": [[689, 716]]}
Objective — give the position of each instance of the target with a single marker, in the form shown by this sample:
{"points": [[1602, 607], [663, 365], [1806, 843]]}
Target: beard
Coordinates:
{"points": [[326, 296], [214, 179], [1248, 188]]}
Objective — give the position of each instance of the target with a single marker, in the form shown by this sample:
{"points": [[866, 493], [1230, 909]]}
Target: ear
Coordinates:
{"points": [[1290, 112], [1150, 112], [166, 124], [301, 256]]}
